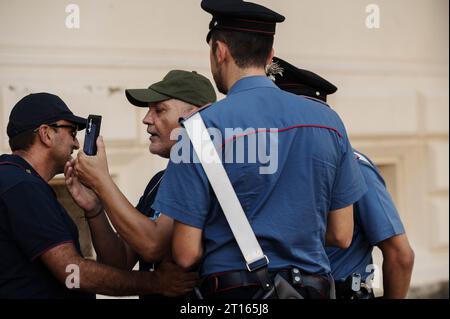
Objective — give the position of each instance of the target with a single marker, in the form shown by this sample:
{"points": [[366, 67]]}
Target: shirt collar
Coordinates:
{"points": [[16, 159], [251, 82]]}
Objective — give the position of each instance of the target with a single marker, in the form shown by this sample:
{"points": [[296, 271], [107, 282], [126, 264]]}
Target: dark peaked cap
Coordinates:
{"points": [[302, 82], [241, 16], [36, 109]]}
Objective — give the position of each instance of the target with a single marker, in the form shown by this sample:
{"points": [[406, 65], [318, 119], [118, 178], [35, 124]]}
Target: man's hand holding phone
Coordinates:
{"points": [[91, 166], [92, 132]]}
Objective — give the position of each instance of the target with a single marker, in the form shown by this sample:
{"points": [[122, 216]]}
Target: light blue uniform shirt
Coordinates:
{"points": [[316, 172], [376, 219]]}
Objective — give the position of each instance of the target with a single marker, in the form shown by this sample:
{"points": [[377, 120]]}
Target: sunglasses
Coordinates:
{"points": [[73, 128]]}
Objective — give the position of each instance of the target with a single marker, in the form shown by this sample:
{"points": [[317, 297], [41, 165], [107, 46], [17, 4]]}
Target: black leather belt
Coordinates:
{"points": [[221, 282]]}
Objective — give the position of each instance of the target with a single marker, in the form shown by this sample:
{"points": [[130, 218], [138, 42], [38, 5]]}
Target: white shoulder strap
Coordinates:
{"points": [[217, 176]]}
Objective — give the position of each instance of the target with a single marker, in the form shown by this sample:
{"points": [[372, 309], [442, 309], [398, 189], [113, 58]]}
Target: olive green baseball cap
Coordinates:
{"points": [[190, 87]]}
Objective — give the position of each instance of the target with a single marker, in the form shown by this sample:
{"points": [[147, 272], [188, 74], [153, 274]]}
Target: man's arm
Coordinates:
{"points": [[149, 239], [187, 248], [398, 262], [340, 228], [382, 226], [169, 280], [110, 248]]}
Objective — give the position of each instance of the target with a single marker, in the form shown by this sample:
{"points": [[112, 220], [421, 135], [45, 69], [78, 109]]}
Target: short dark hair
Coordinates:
{"points": [[22, 142], [247, 49]]}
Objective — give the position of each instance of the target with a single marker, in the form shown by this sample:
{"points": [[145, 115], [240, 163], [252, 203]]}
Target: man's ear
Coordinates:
{"points": [[45, 135], [270, 58], [222, 52]]}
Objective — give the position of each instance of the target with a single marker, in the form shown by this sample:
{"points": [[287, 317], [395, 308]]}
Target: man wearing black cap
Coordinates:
{"points": [[377, 222], [298, 81], [316, 182], [144, 234], [39, 247]]}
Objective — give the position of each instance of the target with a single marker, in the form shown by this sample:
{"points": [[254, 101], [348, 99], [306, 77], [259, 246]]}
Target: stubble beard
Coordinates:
{"points": [[219, 78]]}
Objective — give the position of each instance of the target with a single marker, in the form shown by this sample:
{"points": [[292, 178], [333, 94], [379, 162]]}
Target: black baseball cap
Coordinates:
{"points": [[241, 16], [40, 108], [190, 87], [302, 82]]}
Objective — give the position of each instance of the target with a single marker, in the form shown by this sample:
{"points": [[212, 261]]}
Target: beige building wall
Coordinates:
{"points": [[393, 84]]}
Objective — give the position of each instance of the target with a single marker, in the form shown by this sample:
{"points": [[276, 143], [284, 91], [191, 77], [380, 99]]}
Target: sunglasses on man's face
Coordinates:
{"points": [[73, 128]]}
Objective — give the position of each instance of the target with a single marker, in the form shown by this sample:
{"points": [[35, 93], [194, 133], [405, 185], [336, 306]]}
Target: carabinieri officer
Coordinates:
{"points": [[314, 182], [377, 222]]}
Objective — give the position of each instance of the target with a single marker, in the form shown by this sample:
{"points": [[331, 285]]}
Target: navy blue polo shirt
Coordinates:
{"points": [[144, 206], [316, 172], [376, 219], [32, 221]]}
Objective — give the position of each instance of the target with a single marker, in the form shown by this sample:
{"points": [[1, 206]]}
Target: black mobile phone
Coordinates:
{"points": [[92, 131]]}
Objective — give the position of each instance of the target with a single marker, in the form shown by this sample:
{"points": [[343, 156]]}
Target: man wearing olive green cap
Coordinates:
{"points": [[144, 235], [177, 95]]}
